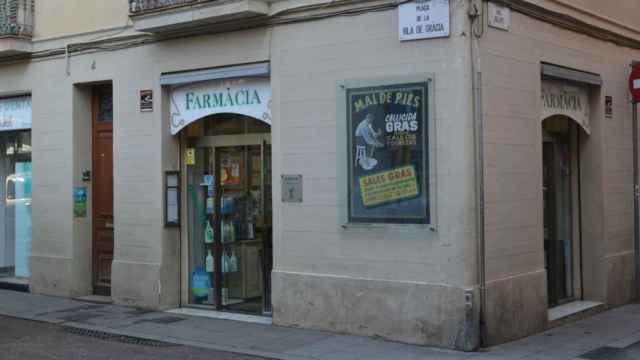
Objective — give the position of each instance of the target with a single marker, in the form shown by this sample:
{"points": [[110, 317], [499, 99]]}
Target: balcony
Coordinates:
{"points": [[16, 26], [166, 16]]}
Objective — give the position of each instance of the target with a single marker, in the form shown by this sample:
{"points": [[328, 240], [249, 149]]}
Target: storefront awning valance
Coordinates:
{"points": [[563, 73], [239, 71]]}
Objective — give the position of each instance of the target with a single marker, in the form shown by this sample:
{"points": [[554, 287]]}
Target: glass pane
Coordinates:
{"points": [[241, 236], [388, 169], [201, 235], [558, 220], [233, 124], [105, 105]]}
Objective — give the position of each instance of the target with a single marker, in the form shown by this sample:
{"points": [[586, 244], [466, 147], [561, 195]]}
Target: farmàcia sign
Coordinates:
{"points": [[192, 102]]}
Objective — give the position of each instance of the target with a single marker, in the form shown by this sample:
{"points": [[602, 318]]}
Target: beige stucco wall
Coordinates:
{"points": [[415, 276], [510, 63], [405, 283], [619, 13], [400, 282], [56, 18]]}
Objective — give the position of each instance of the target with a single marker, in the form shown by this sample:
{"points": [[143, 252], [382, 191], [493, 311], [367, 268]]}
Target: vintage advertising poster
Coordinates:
{"points": [[388, 153]]}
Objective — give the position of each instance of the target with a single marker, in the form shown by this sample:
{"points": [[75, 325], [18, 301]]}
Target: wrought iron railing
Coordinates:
{"points": [[140, 6], [16, 17]]}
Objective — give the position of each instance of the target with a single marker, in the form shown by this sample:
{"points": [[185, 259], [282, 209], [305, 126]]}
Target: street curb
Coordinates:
{"points": [[177, 341], [160, 338]]}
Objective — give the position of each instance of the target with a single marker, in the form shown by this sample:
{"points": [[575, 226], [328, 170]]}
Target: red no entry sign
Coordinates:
{"points": [[634, 83]]}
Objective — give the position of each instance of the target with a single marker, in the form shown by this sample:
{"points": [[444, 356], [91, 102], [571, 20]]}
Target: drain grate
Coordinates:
{"points": [[117, 338]]}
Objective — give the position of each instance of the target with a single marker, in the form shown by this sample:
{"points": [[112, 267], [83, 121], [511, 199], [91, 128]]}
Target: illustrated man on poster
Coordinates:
{"points": [[367, 139]]}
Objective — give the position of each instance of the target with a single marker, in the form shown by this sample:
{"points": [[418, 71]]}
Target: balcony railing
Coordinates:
{"points": [[141, 6], [16, 17]]}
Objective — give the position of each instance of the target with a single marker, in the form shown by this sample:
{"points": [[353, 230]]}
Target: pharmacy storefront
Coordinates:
{"points": [[15, 189], [224, 126]]}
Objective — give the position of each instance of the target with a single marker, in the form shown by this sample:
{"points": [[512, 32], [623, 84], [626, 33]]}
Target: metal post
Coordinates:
{"points": [[636, 205]]}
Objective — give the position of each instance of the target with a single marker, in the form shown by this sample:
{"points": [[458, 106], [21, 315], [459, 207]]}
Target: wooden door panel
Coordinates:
{"points": [[102, 189], [103, 175]]}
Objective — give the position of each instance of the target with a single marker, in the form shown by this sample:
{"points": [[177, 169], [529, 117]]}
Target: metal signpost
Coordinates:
{"points": [[634, 87]]}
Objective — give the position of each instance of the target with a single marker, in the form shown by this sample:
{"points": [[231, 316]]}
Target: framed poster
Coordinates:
{"points": [[388, 153]]}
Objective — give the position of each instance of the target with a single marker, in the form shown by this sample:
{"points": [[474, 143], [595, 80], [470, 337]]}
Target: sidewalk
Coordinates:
{"points": [[598, 337]]}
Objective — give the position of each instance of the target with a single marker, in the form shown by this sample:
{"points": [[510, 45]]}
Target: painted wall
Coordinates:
{"points": [[56, 18], [92, 15], [624, 12], [399, 282], [403, 283], [325, 276], [510, 64]]}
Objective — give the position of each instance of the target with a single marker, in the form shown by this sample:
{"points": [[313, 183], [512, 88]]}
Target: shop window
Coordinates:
{"points": [[388, 167], [15, 209]]}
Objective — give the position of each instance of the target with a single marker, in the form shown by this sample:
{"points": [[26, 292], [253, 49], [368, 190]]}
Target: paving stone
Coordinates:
{"points": [[585, 338]]}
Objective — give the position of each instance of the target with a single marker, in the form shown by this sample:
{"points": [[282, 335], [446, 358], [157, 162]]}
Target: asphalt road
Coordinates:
{"points": [[25, 340]]}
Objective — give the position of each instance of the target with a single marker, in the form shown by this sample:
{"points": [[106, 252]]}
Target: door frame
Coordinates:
{"points": [[99, 288], [575, 201], [217, 141]]}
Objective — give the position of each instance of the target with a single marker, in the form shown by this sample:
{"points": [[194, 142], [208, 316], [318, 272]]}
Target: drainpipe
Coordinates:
{"points": [[636, 194], [476, 32]]}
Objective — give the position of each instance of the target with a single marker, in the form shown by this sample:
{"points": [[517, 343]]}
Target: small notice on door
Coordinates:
{"points": [[80, 201], [190, 156]]}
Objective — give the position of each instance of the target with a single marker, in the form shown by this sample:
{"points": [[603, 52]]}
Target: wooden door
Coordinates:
{"points": [[102, 189]]}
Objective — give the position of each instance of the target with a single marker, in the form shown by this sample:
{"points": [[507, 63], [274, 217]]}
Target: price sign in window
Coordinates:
{"points": [[388, 159]]}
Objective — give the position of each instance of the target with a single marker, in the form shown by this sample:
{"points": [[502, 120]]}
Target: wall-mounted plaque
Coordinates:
{"points": [[292, 188]]}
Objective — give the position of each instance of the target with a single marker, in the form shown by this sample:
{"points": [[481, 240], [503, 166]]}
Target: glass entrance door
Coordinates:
{"points": [[558, 220], [229, 206]]}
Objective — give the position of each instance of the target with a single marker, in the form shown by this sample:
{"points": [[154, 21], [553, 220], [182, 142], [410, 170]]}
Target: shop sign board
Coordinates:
{"points": [[423, 19], [246, 96], [634, 83], [388, 156], [15, 113], [560, 98], [499, 16]]}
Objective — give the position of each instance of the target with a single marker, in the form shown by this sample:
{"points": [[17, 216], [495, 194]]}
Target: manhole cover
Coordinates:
{"points": [[164, 320]]}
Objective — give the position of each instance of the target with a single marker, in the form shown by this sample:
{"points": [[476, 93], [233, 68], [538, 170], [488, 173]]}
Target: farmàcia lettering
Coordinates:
{"points": [[222, 99]]}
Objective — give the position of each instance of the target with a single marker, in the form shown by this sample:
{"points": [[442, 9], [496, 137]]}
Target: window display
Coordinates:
{"points": [[388, 156]]}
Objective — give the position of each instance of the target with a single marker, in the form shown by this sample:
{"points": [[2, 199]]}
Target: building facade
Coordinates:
{"points": [[350, 166]]}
